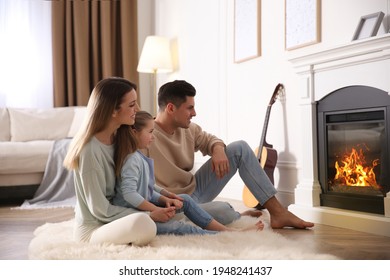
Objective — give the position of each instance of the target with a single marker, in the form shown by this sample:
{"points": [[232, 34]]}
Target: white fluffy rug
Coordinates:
{"points": [[54, 241]]}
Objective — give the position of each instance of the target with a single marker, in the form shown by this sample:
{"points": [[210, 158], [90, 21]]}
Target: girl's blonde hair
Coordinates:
{"points": [[141, 119], [106, 97]]}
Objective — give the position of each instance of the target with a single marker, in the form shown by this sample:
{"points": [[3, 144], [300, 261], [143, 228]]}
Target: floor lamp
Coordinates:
{"points": [[155, 58]]}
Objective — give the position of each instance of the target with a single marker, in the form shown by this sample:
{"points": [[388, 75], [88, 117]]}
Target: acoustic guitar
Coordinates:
{"points": [[265, 153]]}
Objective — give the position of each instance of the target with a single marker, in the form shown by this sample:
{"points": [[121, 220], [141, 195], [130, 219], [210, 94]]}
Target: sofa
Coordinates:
{"points": [[26, 139]]}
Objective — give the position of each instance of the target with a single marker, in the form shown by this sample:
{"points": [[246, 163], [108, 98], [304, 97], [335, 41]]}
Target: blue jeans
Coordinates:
{"points": [[208, 186], [193, 212]]}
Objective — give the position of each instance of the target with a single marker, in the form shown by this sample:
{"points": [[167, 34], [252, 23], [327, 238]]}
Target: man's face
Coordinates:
{"points": [[182, 115]]}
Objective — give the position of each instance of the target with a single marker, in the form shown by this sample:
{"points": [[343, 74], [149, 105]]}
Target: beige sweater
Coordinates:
{"points": [[174, 156]]}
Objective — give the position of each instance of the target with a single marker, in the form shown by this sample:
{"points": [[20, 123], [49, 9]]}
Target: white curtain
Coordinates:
{"points": [[26, 79]]}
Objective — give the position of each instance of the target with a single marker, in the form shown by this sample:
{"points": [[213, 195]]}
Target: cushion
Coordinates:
{"points": [[5, 134], [40, 124], [21, 157], [79, 115]]}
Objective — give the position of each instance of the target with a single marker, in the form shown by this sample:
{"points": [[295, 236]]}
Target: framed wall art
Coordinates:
{"points": [[247, 23], [368, 26], [302, 23]]}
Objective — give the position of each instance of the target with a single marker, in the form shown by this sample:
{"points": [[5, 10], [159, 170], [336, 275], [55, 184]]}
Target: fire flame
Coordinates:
{"points": [[353, 172]]}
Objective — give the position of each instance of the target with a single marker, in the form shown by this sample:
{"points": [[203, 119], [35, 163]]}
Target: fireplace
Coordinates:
{"points": [[353, 148], [325, 76]]}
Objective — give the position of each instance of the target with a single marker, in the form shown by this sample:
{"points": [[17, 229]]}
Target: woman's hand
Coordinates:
{"points": [[162, 215], [169, 194]]}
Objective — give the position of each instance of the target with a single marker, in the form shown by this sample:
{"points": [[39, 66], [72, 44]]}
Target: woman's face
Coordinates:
{"points": [[145, 135], [128, 108]]}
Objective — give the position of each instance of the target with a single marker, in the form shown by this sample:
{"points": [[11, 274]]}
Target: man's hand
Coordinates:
{"points": [[220, 162]]}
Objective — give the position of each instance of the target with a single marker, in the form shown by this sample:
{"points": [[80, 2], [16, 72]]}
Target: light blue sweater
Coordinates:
{"points": [[137, 182]]}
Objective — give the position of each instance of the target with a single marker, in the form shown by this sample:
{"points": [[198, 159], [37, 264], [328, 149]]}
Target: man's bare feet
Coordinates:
{"points": [[288, 219], [252, 213], [280, 217]]}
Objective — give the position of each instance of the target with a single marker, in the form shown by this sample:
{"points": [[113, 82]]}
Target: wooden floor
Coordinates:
{"points": [[17, 226]]}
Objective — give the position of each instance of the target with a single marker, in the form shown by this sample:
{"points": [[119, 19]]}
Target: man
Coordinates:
{"points": [[176, 141]]}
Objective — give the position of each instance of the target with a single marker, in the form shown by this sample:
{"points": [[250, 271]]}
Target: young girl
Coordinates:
{"points": [[112, 104], [136, 188]]}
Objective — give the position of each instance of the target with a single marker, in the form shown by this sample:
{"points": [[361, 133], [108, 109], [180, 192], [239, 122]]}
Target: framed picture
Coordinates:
{"points": [[247, 24], [368, 26], [302, 23]]}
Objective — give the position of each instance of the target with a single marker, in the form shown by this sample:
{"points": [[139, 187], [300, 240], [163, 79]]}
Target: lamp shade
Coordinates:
{"points": [[155, 56]]}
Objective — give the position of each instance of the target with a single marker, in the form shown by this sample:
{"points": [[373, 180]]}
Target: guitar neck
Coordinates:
{"points": [[264, 132]]}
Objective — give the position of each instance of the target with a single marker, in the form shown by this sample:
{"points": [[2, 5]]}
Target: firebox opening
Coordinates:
{"points": [[354, 152]]}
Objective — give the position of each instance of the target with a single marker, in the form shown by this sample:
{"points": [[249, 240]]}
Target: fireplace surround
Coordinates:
{"points": [[353, 148], [365, 63]]}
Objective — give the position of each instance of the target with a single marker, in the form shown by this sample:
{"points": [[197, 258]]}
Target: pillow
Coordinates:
{"points": [[40, 124], [79, 115], [5, 134]]}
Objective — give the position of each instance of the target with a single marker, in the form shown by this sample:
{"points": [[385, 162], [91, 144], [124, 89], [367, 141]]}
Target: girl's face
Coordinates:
{"points": [[128, 108], [145, 135]]}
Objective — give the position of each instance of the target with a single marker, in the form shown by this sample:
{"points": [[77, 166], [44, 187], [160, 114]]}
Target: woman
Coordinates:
{"points": [[112, 104], [136, 188]]}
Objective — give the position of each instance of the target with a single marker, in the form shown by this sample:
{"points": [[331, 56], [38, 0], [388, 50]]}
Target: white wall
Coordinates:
{"points": [[145, 28], [232, 98]]}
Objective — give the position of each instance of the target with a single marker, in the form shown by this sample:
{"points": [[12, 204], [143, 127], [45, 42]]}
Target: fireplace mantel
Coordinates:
{"points": [[362, 62], [360, 51]]}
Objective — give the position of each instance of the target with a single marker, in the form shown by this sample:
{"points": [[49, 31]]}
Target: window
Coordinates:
{"points": [[25, 54]]}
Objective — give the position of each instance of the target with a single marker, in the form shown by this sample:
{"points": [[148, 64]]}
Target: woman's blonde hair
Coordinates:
{"points": [[105, 98]]}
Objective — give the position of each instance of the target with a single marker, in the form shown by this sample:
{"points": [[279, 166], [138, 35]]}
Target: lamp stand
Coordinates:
{"points": [[154, 92]]}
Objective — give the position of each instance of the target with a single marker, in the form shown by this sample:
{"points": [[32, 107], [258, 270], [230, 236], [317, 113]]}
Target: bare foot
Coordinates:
{"points": [[258, 226], [288, 219], [252, 213], [280, 217]]}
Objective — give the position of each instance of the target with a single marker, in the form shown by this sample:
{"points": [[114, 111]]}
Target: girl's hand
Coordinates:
{"points": [[162, 215], [174, 203]]}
